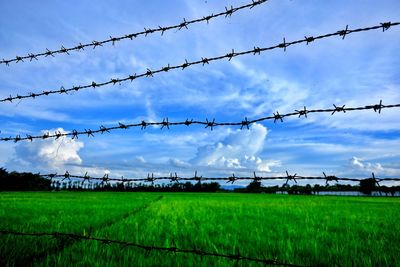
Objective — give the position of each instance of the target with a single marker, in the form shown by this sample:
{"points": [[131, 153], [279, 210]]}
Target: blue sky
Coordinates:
{"points": [[357, 71]]}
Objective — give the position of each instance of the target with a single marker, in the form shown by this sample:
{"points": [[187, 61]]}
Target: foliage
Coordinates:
{"points": [[367, 186], [15, 181]]}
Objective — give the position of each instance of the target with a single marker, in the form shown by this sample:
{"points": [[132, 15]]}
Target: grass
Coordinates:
{"points": [[303, 230]]}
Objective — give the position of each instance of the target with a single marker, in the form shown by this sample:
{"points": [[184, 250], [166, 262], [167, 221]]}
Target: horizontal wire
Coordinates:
{"points": [[227, 13], [166, 124], [150, 73], [124, 244], [231, 179]]}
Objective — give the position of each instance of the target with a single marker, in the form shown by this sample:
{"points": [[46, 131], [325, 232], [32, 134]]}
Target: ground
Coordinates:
{"points": [[301, 230]]}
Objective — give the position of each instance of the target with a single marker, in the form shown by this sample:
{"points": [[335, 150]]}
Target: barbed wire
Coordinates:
{"points": [[211, 124], [229, 11], [231, 179], [204, 60], [172, 250]]}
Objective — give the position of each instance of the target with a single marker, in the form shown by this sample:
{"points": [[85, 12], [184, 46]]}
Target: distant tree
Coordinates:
{"points": [[188, 187], [15, 181], [317, 188], [3, 173], [254, 187], [307, 190], [58, 186], [270, 189], [367, 186], [290, 190], [120, 187], [293, 190], [211, 187]]}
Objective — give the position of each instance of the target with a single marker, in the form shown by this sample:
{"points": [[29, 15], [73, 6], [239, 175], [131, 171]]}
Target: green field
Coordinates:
{"points": [[302, 230]]}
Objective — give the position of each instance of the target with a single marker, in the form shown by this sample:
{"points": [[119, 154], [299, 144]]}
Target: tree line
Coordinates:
{"points": [[15, 181], [25, 181], [366, 186]]}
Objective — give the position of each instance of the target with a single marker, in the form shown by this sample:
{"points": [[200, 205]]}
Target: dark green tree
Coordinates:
{"points": [[367, 186], [254, 187], [308, 190], [15, 181]]}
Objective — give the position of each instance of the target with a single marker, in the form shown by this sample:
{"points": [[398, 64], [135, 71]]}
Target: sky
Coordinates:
{"points": [[357, 71]]}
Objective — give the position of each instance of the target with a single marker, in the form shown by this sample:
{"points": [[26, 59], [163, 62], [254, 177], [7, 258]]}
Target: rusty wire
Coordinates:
{"points": [[173, 250], [232, 54], [231, 179], [229, 11], [211, 124]]}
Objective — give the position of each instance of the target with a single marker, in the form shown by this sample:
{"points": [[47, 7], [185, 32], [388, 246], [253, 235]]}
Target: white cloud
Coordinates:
{"points": [[238, 150], [364, 167], [257, 163], [356, 162], [49, 154]]}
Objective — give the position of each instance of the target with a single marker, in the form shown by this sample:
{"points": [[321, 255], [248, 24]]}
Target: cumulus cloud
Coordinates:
{"points": [[256, 163], [49, 154], [360, 165], [238, 150]]}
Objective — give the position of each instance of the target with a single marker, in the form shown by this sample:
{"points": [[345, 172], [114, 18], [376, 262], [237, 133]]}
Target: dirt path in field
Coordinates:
{"points": [[30, 260]]}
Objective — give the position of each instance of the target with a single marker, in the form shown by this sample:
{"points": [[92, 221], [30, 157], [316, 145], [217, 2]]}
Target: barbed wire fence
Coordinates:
{"points": [[211, 124], [174, 250], [204, 60], [229, 11], [174, 178]]}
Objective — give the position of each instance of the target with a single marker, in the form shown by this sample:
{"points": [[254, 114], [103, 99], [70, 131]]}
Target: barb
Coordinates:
{"points": [[211, 124], [124, 244], [231, 179], [290, 178], [329, 178], [80, 47], [203, 61]]}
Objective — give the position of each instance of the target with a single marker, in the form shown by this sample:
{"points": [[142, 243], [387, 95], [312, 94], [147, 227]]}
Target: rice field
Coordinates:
{"points": [[301, 230]]}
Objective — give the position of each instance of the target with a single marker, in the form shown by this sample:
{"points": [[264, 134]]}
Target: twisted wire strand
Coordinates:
{"points": [[150, 73], [229, 11], [166, 124], [172, 250], [231, 179]]}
